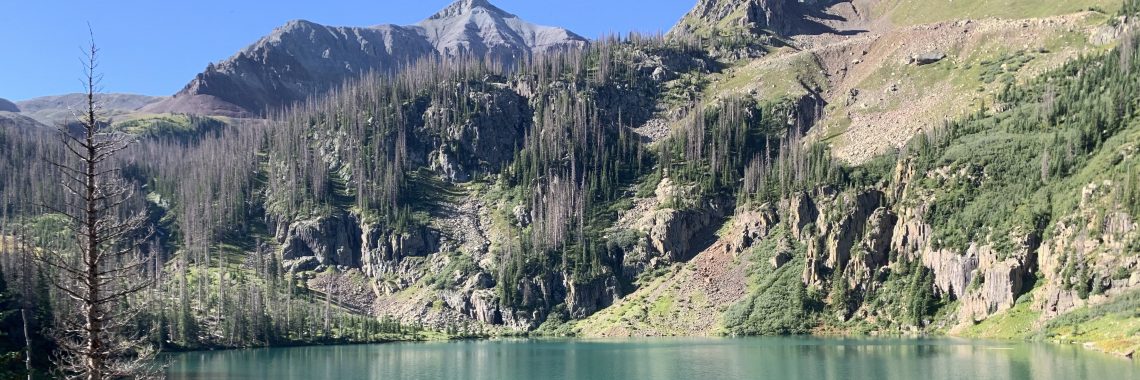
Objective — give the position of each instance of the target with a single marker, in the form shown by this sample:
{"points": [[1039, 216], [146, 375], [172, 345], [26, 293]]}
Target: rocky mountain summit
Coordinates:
{"points": [[303, 58]]}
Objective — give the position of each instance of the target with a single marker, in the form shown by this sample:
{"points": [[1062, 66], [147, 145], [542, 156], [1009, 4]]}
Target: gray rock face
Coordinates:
{"points": [[836, 243], [477, 28], [752, 227], [481, 141], [784, 17], [303, 58], [675, 233], [585, 299], [333, 241], [383, 248], [7, 106]]}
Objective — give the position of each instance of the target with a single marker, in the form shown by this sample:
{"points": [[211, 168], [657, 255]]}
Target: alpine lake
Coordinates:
{"points": [[664, 359]]}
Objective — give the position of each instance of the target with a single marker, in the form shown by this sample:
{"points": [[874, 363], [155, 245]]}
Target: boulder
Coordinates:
{"points": [[782, 257], [303, 264], [927, 58]]}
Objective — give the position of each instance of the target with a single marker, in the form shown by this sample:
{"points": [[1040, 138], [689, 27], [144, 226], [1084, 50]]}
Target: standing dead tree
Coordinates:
{"points": [[99, 276]]}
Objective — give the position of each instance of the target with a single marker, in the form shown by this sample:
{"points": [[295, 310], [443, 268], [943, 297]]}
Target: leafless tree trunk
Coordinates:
{"points": [[27, 343], [1127, 48], [95, 344]]}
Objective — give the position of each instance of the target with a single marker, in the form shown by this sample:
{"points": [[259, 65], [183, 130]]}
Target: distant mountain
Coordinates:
{"points": [[16, 120], [8, 106], [302, 58], [53, 110]]}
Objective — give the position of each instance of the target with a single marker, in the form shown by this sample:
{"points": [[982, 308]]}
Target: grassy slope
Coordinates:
{"points": [[1113, 327], [915, 12]]}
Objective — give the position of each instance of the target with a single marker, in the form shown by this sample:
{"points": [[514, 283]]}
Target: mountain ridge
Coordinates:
{"points": [[303, 58]]}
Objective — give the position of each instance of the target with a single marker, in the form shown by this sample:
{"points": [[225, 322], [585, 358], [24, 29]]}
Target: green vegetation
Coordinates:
{"points": [[910, 12], [779, 303], [1020, 322], [386, 156], [1112, 327], [1000, 175], [1004, 67], [177, 127]]}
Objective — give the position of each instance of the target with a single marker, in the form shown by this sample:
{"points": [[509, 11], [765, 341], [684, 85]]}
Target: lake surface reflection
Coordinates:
{"points": [[664, 359]]}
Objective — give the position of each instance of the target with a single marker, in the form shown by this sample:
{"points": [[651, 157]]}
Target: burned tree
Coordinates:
{"points": [[101, 274]]}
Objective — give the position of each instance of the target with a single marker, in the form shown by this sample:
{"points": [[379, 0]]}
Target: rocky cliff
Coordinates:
{"points": [[776, 17]]}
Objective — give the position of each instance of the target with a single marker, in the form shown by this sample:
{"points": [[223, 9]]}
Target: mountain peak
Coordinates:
{"points": [[463, 7], [302, 58]]}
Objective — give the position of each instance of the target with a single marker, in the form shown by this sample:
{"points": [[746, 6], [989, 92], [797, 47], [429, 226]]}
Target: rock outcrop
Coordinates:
{"points": [[782, 17], [582, 300], [383, 248], [1086, 260], [302, 58], [679, 234], [332, 241], [836, 238], [481, 141]]}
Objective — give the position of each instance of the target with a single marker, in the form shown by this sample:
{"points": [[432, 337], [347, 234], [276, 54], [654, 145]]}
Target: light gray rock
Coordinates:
{"points": [[752, 226], [927, 58]]}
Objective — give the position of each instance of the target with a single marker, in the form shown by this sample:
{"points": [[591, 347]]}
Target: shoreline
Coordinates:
{"points": [[1086, 346]]}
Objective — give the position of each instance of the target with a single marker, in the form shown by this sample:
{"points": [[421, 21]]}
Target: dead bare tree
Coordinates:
{"points": [[104, 271]]}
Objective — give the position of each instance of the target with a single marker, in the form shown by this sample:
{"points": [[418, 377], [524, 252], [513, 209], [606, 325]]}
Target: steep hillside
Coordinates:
{"points": [[769, 167], [302, 58], [17, 120], [861, 58], [7, 106]]}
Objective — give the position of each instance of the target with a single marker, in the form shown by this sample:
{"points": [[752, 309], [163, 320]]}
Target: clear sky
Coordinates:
{"points": [[155, 47]]}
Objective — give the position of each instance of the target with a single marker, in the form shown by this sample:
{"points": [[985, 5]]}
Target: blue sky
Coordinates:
{"points": [[155, 47]]}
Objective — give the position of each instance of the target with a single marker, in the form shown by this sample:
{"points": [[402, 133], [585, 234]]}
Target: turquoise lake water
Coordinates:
{"points": [[664, 359]]}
